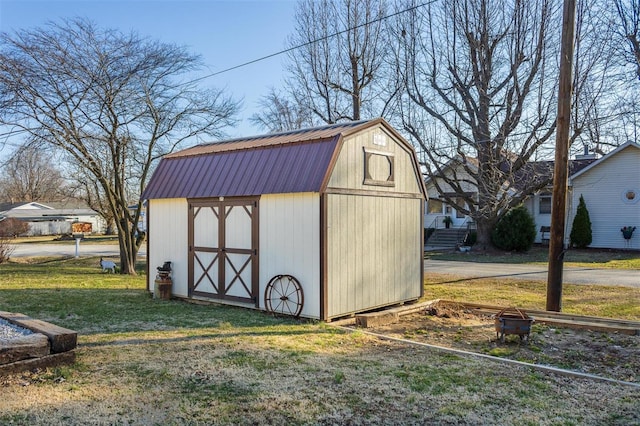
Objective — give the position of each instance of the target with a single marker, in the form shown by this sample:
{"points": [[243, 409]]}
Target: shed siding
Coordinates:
{"points": [[374, 250], [603, 188], [168, 241], [290, 244], [348, 172]]}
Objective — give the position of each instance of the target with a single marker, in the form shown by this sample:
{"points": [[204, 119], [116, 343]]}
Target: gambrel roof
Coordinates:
{"points": [[287, 162]]}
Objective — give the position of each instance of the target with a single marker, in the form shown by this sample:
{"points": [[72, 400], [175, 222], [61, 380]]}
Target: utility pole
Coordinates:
{"points": [[560, 171]]}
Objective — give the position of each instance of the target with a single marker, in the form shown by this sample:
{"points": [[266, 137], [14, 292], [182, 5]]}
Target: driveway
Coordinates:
{"points": [[582, 275]]}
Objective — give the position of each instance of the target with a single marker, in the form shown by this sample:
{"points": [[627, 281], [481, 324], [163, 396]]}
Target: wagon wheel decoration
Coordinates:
{"points": [[283, 295]]}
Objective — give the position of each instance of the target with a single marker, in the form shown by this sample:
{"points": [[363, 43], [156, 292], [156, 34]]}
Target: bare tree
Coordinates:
{"points": [[628, 31], [113, 102], [86, 188], [29, 175], [626, 43], [334, 74], [480, 79], [596, 112], [279, 114]]}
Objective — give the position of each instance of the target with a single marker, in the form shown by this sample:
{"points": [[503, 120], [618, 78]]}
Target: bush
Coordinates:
{"points": [[580, 236], [6, 249], [515, 231], [12, 227]]}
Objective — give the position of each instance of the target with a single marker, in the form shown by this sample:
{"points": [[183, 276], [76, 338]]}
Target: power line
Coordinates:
{"points": [[281, 52], [326, 37]]}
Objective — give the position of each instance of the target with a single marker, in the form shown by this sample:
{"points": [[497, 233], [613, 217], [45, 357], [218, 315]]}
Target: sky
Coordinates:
{"points": [[226, 33]]}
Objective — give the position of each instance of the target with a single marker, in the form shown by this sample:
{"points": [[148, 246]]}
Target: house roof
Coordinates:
{"points": [[532, 174], [288, 162], [538, 172], [25, 205], [596, 163]]}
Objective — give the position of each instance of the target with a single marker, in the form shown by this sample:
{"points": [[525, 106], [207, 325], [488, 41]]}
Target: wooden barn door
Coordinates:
{"points": [[223, 249]]}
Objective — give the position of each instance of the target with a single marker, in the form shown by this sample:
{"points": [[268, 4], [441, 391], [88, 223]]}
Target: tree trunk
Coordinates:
{"points": [[128, 247], [484, 229]]}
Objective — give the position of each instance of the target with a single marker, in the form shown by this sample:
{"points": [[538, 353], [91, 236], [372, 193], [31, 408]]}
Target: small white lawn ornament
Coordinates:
{"points": [[107, 265]]}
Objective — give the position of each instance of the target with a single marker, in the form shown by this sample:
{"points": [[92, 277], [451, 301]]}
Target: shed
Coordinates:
{"points": [[321, 222]]}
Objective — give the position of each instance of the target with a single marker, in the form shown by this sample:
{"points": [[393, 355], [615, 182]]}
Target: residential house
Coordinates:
{"points": [[51, 218], [539, 204], [610, 187]]}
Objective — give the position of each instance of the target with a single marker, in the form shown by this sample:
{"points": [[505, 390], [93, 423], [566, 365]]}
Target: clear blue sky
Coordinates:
{"points": [[225, 32]]}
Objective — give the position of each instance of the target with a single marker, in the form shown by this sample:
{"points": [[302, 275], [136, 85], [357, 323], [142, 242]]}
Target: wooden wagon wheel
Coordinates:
{"points": [[283, 295]]}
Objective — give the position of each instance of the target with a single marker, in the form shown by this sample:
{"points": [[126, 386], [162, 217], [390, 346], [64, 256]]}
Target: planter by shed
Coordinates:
{"points": [[337, 210]]}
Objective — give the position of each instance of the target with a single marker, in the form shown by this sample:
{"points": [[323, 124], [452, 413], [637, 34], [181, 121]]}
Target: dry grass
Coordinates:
{"points": [[144, 362], [595, 300], [298, 374]]}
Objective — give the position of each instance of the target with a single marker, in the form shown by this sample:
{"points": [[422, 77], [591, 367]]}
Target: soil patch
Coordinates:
{"points": [[611, 355]]}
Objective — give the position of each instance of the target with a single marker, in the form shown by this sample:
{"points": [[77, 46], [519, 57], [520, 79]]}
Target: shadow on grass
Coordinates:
{"points": [[125, 310], [203, 336]]}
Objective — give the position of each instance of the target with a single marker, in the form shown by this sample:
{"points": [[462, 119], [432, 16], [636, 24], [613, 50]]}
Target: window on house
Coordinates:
{"points": [[434, 206], [544, 204]]}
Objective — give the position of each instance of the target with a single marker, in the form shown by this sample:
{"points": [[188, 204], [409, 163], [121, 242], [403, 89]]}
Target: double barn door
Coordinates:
{"points": [[223, 249]]}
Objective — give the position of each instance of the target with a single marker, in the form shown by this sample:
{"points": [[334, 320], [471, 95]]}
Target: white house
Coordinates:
{"points": [[46, 219], [322, 222], [611, 190], [539, 204]]}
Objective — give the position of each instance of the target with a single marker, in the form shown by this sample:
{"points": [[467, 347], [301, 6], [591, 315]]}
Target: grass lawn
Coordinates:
{"points": [[145, 361], [598, 258]]}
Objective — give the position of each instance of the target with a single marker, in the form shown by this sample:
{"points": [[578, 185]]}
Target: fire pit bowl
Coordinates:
{"points": [[513, 321]]}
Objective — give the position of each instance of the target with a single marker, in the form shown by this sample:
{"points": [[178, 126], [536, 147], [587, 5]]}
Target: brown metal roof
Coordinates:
{"points": [[288, 162], [284, 168], [301, 135]]}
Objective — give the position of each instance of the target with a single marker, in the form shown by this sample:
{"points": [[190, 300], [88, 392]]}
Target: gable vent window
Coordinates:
{"points": [[630, 196], [378, 168]]}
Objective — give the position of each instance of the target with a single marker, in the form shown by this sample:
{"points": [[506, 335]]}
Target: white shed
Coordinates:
{"points": [[322, 222], [611, 190]]}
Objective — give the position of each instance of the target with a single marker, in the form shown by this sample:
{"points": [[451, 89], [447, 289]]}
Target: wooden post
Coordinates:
{"points": [[559, 200]]}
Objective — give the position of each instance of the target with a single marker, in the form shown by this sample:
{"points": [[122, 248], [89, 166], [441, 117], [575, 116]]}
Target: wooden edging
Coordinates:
{"points": [[583, 322], [61, 339], [41, 362], [390, 316], [545, 368]]}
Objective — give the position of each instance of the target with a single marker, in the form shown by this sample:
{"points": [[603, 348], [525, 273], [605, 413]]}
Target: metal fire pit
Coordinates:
{"points": [[513, 321]]}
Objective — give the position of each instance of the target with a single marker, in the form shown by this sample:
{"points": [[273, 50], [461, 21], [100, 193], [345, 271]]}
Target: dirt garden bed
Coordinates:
{"points": [[607, 354]]}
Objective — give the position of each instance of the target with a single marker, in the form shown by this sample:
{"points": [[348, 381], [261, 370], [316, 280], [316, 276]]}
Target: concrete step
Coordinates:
{"points": [[446, 237]]}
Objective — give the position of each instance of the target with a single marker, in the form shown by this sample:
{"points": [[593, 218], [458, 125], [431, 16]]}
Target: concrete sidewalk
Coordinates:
{"points": [[582, 275]]}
